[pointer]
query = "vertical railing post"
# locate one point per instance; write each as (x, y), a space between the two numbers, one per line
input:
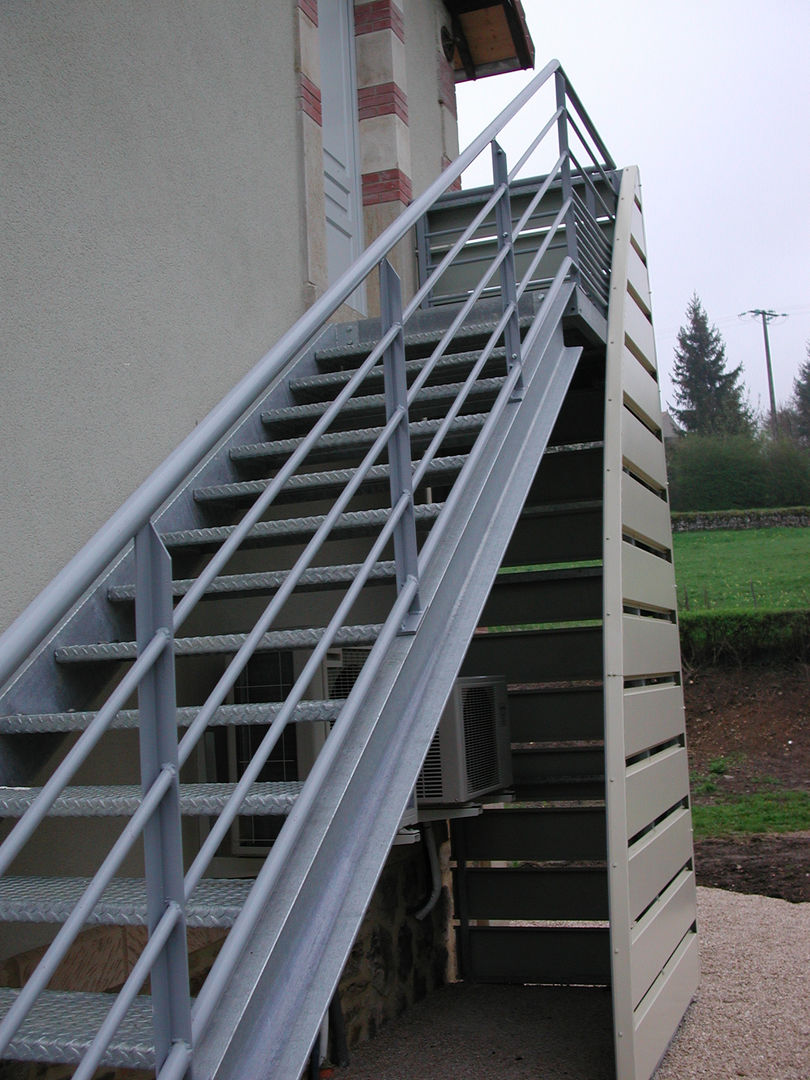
(399, 445)
(163, 849)
(567, 184)
(503, 224)
(423, 255)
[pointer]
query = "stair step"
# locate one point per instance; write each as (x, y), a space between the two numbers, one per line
(326, 385)
(429, 398)
(61, 1026)
(354, 524)
(304, 638)
(317, 484)
(127, 719)
(216, 902)
(334, 443)
(269, 798)
(312, 580)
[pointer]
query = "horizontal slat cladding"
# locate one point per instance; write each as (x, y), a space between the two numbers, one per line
(641, 388)
(530, 954)
(542, 835)
(645, 515)
(660, 932)
(536, 765)
(642, 452)
(538, 655)
(568, 476)
(652, 715)
(638, 332)
(654, 786)
(648, 581)
(537, 715)
(536, 893)
(637, 278)
(568, 532)
(532, 597)
(657, 858)
(651, 647)
(637, 230)
(661, 1011)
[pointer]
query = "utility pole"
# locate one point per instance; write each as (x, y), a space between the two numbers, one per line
(767, 316)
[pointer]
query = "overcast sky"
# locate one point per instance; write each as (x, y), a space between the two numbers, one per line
(711, 100)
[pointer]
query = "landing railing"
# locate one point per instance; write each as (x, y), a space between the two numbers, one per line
(586, 202)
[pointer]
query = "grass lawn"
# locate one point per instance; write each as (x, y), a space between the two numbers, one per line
(743, 569)
(762, 812)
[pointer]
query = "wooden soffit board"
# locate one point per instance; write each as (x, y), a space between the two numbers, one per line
(489, 37)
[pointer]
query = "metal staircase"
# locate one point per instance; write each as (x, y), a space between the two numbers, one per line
(430, 484)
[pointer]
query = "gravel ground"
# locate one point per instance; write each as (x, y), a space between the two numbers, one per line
(751, 1017)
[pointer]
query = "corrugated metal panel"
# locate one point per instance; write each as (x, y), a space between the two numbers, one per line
(660, 1013)
(651, 647)
(644, 514)
(659, 933)
(657, 857)
(642, 451)
(647, 580)
(654, 786)
(652, 715)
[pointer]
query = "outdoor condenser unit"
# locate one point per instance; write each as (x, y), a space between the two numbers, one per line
(470, 755)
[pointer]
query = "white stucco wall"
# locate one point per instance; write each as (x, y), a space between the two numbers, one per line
(428, 140)
(152, 245)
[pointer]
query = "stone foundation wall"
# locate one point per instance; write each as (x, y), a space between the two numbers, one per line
(695, 521)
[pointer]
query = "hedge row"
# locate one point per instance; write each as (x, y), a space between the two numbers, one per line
(744, 637)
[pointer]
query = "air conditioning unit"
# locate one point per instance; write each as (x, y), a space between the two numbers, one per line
(470, 755)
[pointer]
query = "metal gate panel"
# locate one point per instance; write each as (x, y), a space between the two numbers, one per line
(654, 957)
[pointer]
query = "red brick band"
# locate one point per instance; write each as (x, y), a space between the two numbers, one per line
(309, 96)
(456, 185)
(447, 84)
(382, 100)
(389, 185)
(310, 9)
(378, 15)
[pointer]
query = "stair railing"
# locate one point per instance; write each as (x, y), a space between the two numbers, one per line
(578, 225)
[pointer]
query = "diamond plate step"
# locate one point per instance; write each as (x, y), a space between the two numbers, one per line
(219, 643)
(335, 443)
(318, 387)
(313, 580)
(317, 484)
(127, 719)
(61, 1026)
(263, 799)
(297, 530)
(429, 399)
(216, 902)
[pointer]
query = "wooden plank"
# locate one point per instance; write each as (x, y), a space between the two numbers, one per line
(542, 835)
(535, 893)
(638, 332)
(537, 955)
(652, 715)
(654, 786)
(651, 647)
(648, 581)
(641, 388)
(657, 858)
(642, 452)
(645, 515)
(537, 714)
(658, 1016)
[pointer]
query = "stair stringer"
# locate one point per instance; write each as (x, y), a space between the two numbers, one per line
(651, 880)
(283, 981)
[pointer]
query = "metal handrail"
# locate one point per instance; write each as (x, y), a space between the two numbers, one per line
(44, 615)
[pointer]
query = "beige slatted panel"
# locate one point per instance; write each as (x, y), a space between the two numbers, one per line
(651, 881)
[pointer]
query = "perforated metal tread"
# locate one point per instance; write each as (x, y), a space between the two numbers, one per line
(314, 387)
(61, 1026)
(333, 442)
(272, 799)
(215, 902)
(429, 397)
(294, 530)
(312, 580)
(218, 644)
(320, 483)
(126, 719)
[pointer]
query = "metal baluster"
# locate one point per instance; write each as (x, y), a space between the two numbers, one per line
(503, 223)
(565, 172)
(423, 256)
(163, 848)
(399, 446)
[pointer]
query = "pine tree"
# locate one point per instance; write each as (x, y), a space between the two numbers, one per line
(801, 399)
(709, 398)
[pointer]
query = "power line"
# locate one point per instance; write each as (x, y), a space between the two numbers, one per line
(767, 316)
